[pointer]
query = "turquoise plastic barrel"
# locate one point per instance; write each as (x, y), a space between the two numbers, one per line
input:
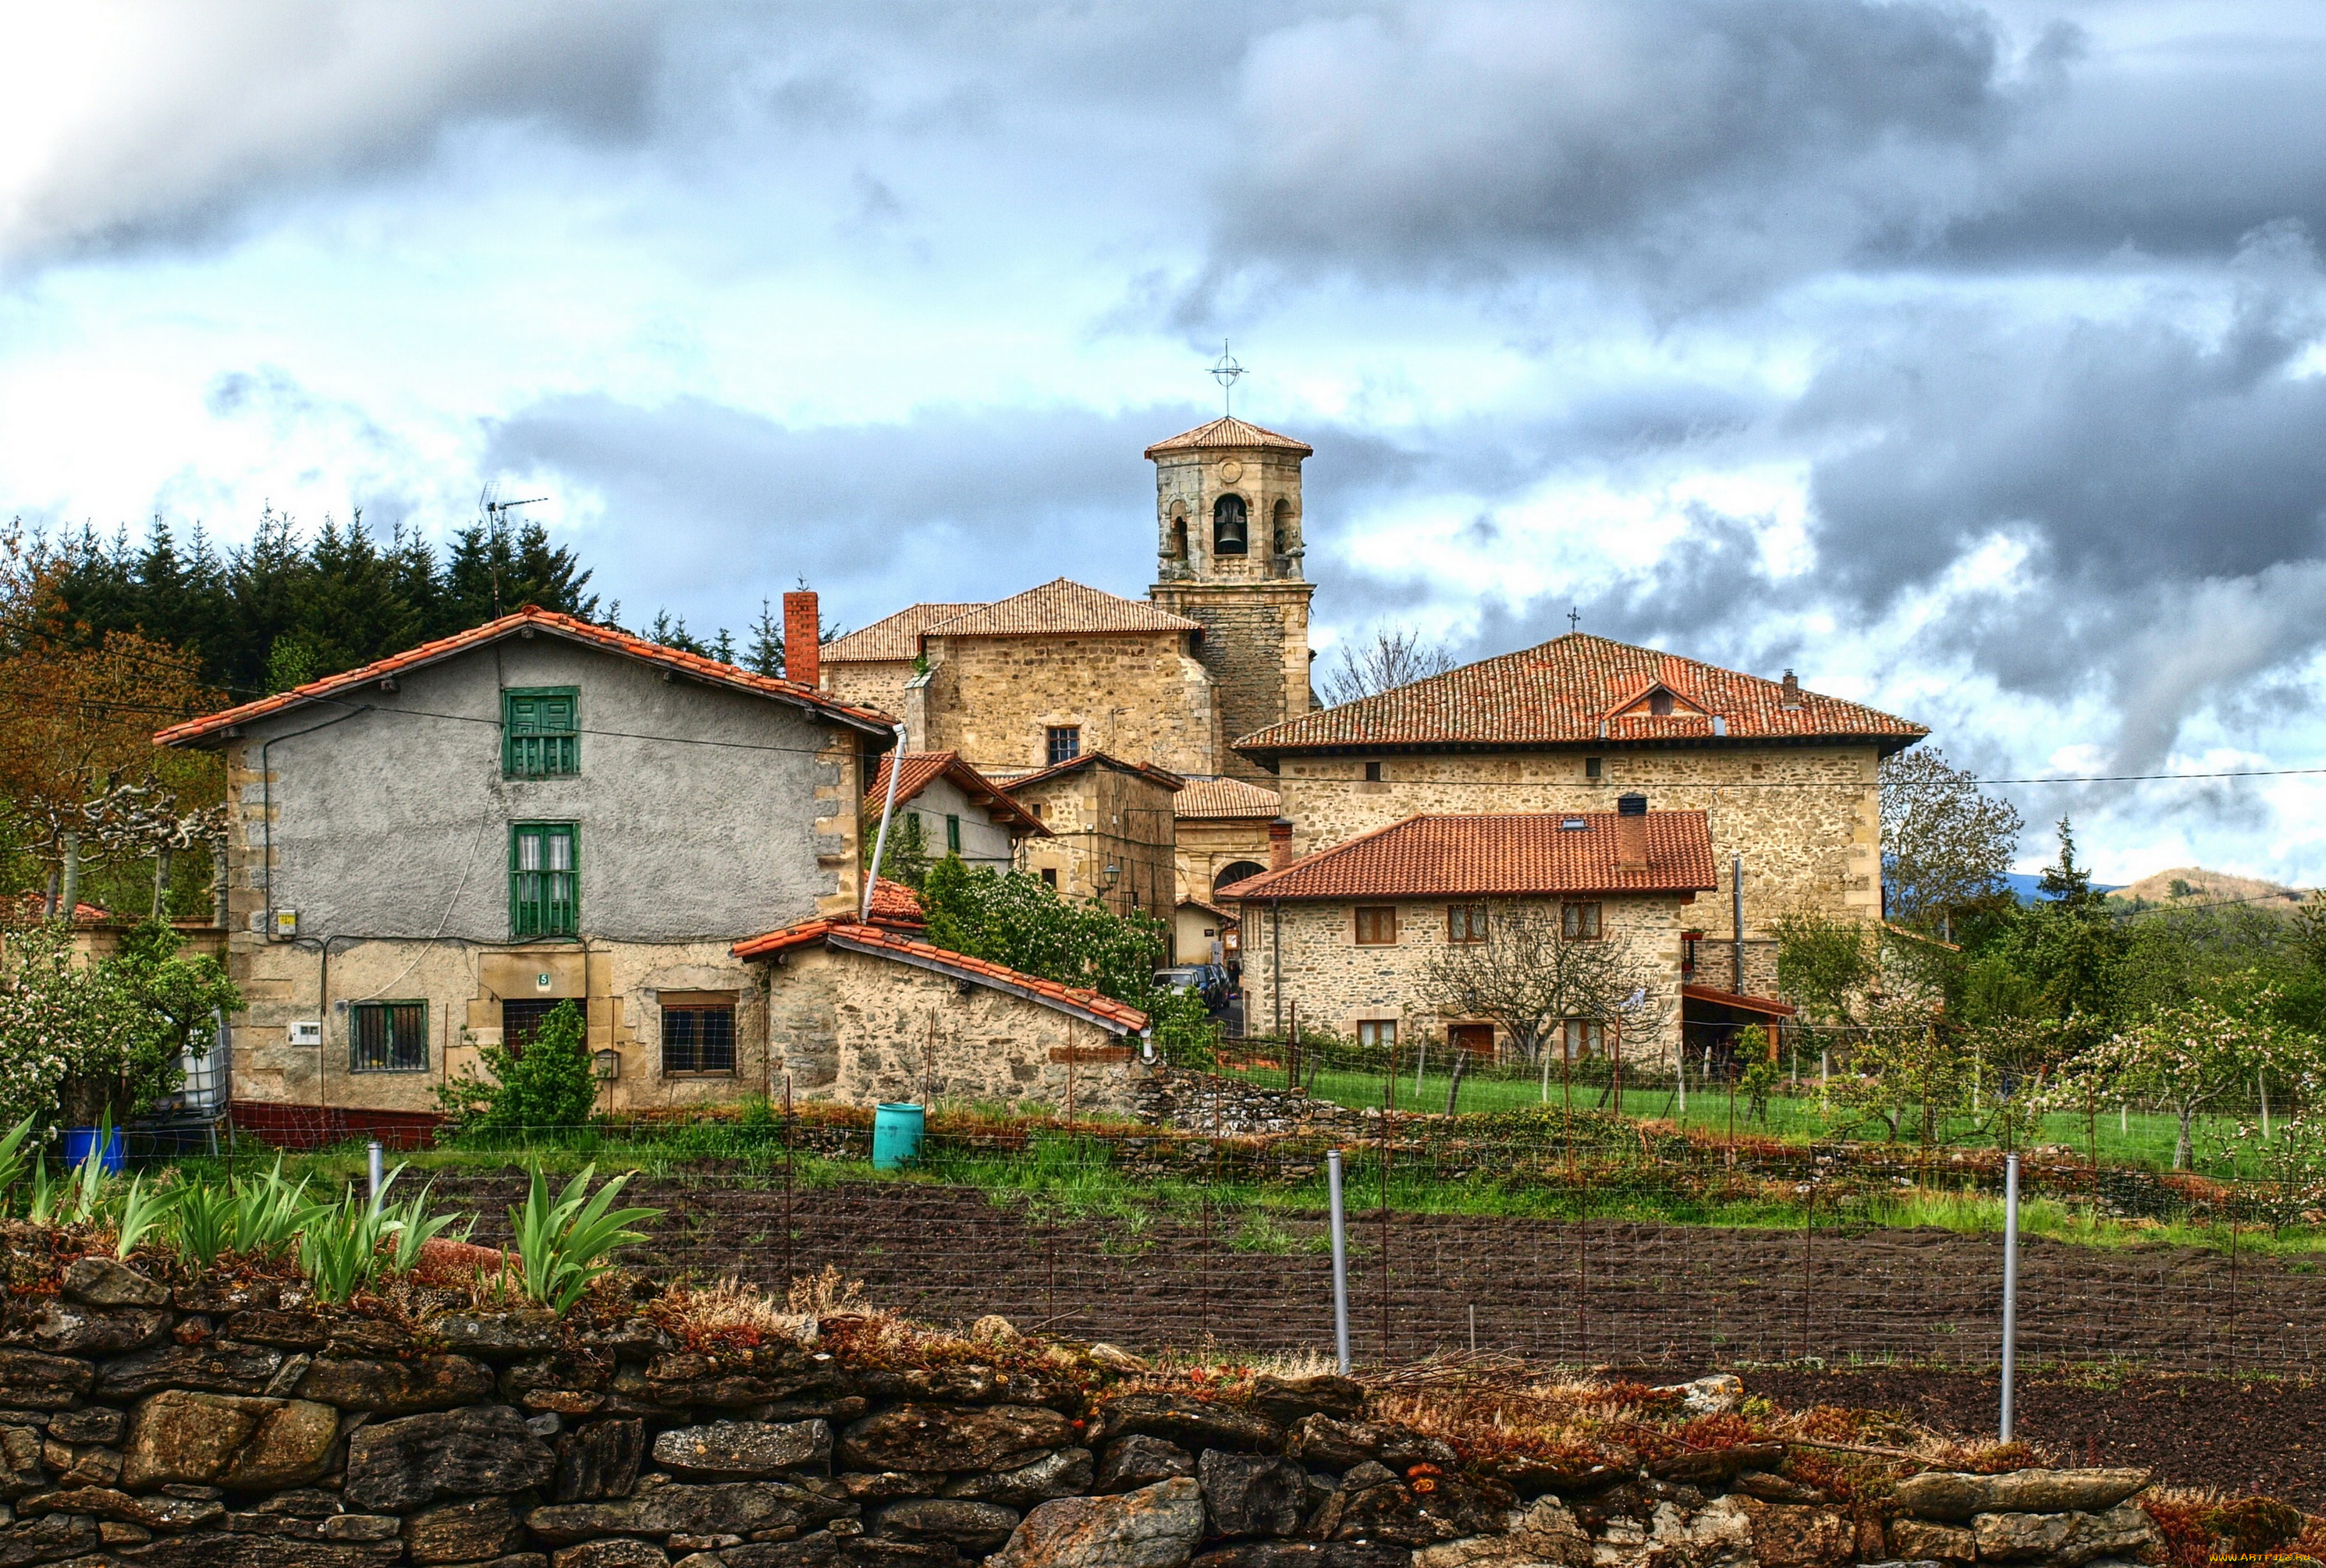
(897, 1135)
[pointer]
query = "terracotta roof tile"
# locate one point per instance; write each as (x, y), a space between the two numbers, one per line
(1563, 692)
(1229, 433)
(922, 768)
(1169, 781)
(880, 943)
(897, 637)
(1496, 855)
(1059, 606)
(893, 904)
(540, 620)
(1226, 797)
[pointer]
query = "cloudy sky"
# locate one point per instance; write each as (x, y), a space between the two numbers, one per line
(1966, 358)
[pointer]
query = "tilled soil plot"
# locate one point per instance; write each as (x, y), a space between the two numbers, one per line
(1245, 1279)
(2193, 1429)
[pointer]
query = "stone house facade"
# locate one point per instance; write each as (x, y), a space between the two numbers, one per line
(430, 853)
(1786, 778)
(1112, 832)
(1343, 939)
(866, 1013)
(958, 810)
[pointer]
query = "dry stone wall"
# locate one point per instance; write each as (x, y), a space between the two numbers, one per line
(232, 1422)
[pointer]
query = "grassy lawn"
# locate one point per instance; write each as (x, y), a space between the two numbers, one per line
(2136, 1138)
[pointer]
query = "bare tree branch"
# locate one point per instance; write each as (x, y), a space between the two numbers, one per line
(1396, 656)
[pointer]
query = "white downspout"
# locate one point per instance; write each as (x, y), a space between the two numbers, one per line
(880, 843)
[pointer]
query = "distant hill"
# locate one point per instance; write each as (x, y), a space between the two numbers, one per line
(2194, 886)
(2024, 886)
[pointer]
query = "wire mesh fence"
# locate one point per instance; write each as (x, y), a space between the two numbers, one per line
(1593, 1246)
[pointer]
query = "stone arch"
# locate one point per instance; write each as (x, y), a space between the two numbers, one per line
(1230, 526)
(1236, 871)
(1282, 518)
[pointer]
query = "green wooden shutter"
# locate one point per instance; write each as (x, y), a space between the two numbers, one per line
(541, 732)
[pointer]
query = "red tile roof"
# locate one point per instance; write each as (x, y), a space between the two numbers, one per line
(1169, 781)
(535, 619)
(924, 768)
(893, 904)
(1500, 856)
(1118, 1017)
(1229, 432)
(1579, 688)
(1058, 607)
(1226, 797)
(897, 637)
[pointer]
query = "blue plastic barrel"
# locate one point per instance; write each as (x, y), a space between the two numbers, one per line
(80, 1141)
(897, 1135)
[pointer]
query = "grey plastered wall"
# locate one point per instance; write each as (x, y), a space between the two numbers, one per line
(698, 815)
(983, 841)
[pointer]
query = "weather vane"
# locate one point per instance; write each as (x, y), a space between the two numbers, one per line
(1225, 373)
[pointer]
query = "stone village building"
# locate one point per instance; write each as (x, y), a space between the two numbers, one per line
(1110, 832)
(1787, 780)
(1342, 939)
(958, 810)
(432, 852)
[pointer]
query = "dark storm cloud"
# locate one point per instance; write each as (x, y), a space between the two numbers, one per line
(1686, 138)
(708, 506)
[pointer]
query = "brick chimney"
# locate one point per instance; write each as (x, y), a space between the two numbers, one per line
(1631, 832)
(803, 646)
(1280, 843)
(1792, 697)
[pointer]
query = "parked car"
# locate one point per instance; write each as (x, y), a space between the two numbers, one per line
(1209, 981)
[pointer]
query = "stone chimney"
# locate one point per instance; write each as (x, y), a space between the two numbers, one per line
(1280, 843)
(1792, 697)
(1631, 832)
(803, 643)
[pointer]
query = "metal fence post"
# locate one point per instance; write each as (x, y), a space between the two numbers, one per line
(2010, 1286)
(1340, 1263)
(373, 1165)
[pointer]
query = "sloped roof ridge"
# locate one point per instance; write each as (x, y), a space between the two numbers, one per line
(1061, 605)
(607, 638)
(894, 637)
(1562, 691)
(860, 937)
(1229, 432)
(1491, 854)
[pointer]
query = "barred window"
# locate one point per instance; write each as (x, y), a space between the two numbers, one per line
(388, 1037)
(698, 1033)
(1066, 743)
(541, 731)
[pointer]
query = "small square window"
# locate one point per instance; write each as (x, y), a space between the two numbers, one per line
(1579, 921)
(1066, 743)
(388, 1037)
(1050, 878)
(1377, 1032)
(1466, 923)
(1376, 924)
(1583, 1037)
(1591, 767)
(698, 1036)
(1373, 773)
(541, 735)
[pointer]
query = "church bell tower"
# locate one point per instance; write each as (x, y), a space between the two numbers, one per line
(1228, 555)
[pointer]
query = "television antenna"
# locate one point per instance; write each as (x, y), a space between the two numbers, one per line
(1225, 372)
(497, 517)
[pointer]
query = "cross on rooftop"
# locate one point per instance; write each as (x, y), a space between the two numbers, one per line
(1573, 618)
(1225, 373)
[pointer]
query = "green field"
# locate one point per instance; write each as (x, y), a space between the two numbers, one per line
(2123, 1136)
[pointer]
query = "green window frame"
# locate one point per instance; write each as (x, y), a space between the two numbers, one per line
(953, 835)
(388, 1036)
(541, 731)
(544, 879)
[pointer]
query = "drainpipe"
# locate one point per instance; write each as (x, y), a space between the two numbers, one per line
(1275, 962)
(888, 809)
(1736, 912)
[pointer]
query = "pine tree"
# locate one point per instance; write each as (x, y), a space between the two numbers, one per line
(766, 654)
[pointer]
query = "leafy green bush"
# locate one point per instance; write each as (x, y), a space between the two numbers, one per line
(550, 1084)
(563, 1244)
(82, 1041)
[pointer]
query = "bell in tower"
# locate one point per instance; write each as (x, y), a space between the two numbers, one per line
(1228, 554)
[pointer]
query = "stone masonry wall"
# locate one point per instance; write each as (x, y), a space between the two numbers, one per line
(1256, 646)
(1806, 821)
(230, 1422)
(1137, 696)
(1337, 984)
(863, 1030)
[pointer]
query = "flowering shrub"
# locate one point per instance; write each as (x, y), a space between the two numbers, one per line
(79, 1042)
